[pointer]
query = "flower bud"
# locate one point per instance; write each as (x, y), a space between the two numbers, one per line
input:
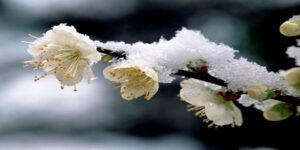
(260, 92)
(197, 65)
(290, 28)
(292, 77)
(277, 112)
(298, 110)
(106, 58)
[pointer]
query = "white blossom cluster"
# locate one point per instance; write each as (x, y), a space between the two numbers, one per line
(168, 56)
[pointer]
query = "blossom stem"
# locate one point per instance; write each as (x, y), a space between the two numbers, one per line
(119, 54)
(204, 76)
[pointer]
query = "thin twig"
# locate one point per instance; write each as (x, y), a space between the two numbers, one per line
(202, 75)
(288, 99)
(119, 54)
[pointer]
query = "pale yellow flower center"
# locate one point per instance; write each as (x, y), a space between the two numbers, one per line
(66, 59)
(70, 60)
(138, 80)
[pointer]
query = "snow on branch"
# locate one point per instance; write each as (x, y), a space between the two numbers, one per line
(169, 56)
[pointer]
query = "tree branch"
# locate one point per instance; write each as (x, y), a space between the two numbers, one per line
(201, 75)
(120, 54)
(204, 76)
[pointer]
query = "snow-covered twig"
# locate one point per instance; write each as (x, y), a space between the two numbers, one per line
(204, 76)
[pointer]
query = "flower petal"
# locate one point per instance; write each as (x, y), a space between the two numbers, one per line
(130, 92)
(136, 80)
(117, 74)
(223, 113)
(153, 90)
(150, 73)
(195, 92)
(70, 81)
(37, 47)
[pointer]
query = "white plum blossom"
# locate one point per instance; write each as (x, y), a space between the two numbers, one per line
(65, 53)
(135, 80)
(205, 101)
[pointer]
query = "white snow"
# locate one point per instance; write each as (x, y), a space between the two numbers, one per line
(240, 74)
(294, 52)
(247, 101)
(169, 56)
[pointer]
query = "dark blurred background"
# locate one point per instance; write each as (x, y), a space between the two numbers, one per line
(41, 116)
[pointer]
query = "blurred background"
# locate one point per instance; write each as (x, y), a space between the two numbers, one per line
(40, 115)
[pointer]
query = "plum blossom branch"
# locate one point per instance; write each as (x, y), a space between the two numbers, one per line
(223, 78)
(203, 75)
